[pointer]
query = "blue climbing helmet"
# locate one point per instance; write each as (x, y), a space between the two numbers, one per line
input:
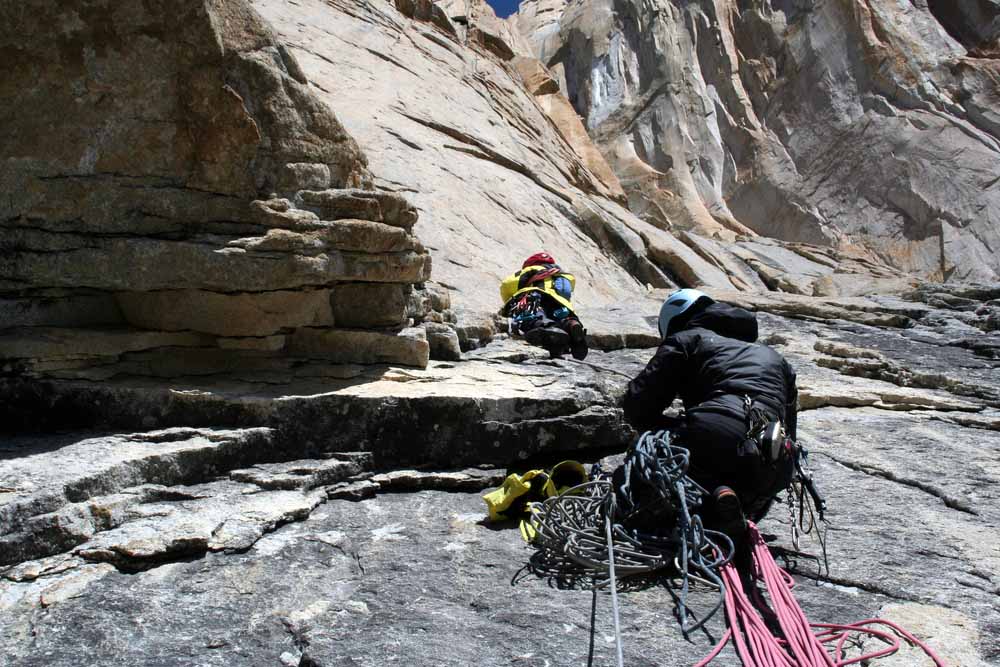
(677, 303)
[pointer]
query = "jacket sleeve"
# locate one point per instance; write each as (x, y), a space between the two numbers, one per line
(654, 389)
(791, 401)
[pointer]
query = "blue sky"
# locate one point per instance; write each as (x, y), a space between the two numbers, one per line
(504, 8)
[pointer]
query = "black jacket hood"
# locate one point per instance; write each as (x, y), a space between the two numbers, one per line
(712, 363)
(725, 320)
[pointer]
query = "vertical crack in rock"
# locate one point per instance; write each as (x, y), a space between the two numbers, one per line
(865, 586)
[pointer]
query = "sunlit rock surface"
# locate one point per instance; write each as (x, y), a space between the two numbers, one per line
(172, 182)
(870, 124)
(329, 522)
(210, 458)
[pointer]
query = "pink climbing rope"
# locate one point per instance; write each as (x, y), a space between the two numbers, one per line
(802, 644)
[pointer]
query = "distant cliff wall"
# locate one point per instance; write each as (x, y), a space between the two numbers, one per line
(864, 124)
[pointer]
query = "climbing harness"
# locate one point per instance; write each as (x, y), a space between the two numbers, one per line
(765, 436)
(525, 313)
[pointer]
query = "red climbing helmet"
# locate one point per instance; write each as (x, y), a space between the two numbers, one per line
(539, 258)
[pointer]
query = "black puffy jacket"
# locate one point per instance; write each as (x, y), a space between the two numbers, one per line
(712, 363)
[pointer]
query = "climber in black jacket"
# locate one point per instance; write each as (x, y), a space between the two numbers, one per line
(728, 383)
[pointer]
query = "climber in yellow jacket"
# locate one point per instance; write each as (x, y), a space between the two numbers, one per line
(538, 301)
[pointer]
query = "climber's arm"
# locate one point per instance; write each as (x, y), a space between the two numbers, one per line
(654, 389)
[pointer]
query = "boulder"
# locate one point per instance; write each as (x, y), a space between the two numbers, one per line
(212, 192)
(369, 305)
(444, 342)
(409, 347)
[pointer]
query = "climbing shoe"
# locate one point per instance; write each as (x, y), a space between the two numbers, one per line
(578, 339)
(729, 517)
(553, 339)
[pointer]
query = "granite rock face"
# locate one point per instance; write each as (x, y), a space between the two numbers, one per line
(478, 135)
(328, 522)
(172, 182)
(222, 440)
(869, 124)
(441, 109)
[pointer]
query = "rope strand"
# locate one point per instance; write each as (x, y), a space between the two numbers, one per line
(643, 525)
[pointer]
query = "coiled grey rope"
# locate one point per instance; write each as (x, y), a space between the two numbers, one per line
(594, 533)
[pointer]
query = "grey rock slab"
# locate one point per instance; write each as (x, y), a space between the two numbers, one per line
(905, 377)
(951, 366)
(861, 310)
(78, 468)
(922, 358)
(912, 515)
(231, 517)
(464, 480)
(42, 567)
(820, 387)
(987, 420)
(56, 497)
(785, 258)
(954, 464)
(415, 577)
(241, 574)
(304, 474)
(359, 490)
(740, 274)
(836, 380)
(948, 631)
(23, 602)
(449, 415)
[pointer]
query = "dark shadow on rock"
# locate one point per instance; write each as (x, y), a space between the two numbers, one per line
(18, 447)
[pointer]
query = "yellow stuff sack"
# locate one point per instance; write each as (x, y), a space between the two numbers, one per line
(510, 501)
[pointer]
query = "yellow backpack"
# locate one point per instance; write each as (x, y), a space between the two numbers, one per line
(511, 286)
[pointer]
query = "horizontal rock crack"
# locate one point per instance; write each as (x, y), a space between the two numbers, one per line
(875, 471)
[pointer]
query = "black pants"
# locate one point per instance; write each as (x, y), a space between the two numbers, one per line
(714, 440)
